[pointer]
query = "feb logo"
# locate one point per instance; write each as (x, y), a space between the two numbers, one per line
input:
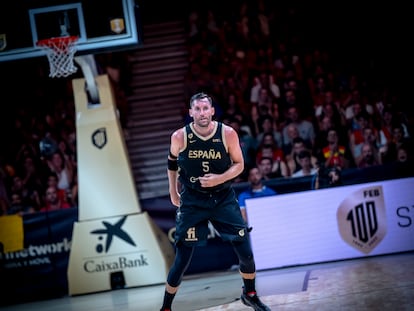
(362, 219)
(99, 138)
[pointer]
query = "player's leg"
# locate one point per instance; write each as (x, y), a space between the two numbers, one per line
(229, 223)
(191, 230)
(248, 273)
(183, 255)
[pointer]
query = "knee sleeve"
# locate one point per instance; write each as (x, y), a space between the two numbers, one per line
(183, 255)
(245, 254)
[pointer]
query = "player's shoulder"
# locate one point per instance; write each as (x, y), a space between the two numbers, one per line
(177, 139)
(179, 133)
(228, 129)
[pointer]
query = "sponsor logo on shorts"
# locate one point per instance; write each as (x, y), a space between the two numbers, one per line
(241, 232)
(191, 234)
(362, 219)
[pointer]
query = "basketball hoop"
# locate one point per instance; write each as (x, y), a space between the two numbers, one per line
(60, 52)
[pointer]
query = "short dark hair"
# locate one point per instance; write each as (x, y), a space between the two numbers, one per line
(266, 158)
(304, 154)
(199, 96)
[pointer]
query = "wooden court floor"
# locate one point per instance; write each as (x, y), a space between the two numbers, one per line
(372, 283)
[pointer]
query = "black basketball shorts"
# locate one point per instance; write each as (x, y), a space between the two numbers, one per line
(221, 208)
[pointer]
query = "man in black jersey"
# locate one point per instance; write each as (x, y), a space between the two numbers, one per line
(204, 158)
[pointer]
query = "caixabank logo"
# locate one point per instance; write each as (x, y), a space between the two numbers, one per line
(109, 232)
(123, 257)
(362, 219)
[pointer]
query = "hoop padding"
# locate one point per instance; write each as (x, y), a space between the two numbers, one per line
(60, 52)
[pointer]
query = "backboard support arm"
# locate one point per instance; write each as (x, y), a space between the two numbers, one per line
(88, 66)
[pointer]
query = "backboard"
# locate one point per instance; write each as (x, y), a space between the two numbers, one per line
(100, 25)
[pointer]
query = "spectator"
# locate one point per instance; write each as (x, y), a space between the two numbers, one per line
(268, 147)
(63, 169)
(389, 152)
(404, 163)
(305, 128)
(266, 126)
(52, 181)
(17, 206)
(292, 134)
(266, 82)
(333, 153)
(369, 156)
(356, 131)
(368, 136)
(271, 169)
(307, 169)
(293, 162)
(29, 196)
(52, 201)
(256, 190)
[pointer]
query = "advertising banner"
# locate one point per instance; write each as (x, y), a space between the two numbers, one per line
(333, 223)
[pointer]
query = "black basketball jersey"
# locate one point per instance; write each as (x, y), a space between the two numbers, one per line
(203, 155)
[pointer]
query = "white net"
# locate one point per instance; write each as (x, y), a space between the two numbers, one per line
(60, 53)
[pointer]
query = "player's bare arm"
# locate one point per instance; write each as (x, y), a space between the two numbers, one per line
(236, 155)
(177, 142)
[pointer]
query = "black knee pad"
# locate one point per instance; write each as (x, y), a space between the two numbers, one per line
(245, 254)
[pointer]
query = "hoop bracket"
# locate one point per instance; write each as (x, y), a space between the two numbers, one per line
(88, 66)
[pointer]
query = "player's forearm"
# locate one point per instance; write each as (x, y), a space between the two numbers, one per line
(172, 181)
(235, 170)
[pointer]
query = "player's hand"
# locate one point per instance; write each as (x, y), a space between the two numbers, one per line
(209, 180)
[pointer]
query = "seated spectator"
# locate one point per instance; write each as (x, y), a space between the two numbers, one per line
(268, 148)
(293, 162)
(333, 153)
(17, 206)
(52, 181)
(305, 128)
(369, 156)
(264, 81)
(29, 196)
(362, 131)
(52, 201)
(389, 151)
(324, 125)
(304, 158)
(63, 168)
(404, 163)
(357, 105)
(270, 169)
(266, 126)
(387, 124)
(292, 134)
(256, 190)
(368, 137)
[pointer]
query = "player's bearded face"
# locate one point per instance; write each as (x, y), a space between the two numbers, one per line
(202, 112)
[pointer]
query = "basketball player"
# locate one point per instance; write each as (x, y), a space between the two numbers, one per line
(204, 158)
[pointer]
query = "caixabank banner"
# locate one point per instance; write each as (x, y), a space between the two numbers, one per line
(332, 224)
